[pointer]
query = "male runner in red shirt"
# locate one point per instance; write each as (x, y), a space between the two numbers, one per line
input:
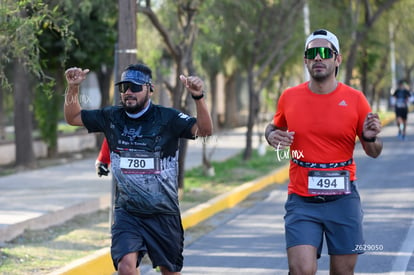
(320, 120)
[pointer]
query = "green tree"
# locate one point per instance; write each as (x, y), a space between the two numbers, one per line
(47, 110)
(402, 21)
(178, 31)
(260, 36)
(366, 54)
(364, 17)
(20, 24)
(93, 24)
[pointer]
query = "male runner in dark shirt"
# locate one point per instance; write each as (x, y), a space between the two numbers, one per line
(143, 140)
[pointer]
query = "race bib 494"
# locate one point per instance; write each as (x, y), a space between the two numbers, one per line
(328, 182)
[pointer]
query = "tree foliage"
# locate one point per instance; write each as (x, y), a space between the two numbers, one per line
(19, 34)
(21, 24)
(260, 37)
(93, 25)
(47, 107)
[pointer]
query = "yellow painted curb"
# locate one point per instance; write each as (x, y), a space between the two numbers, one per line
(203, 211)
(100, 263)
(387, 120)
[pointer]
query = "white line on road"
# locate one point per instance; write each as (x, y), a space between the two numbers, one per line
(406, 251)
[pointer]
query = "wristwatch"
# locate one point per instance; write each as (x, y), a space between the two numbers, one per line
(197, 97)
(369, 139)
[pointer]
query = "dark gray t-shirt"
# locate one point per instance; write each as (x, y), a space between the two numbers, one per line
(402, 97)
(144, 155)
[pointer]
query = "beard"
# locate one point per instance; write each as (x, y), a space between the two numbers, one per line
(318, 75)
(134, 108)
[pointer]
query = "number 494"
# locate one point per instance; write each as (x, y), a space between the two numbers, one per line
(326, 183)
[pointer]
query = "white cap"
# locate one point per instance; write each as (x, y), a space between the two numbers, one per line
(323, 34)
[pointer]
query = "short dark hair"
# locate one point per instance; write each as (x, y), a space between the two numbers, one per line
(402, 82)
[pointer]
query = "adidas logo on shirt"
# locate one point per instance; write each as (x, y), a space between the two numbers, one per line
(343, 103)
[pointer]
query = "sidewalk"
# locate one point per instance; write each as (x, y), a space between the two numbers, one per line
(42, 198)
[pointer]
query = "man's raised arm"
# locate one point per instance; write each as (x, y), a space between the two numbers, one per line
(72, 109)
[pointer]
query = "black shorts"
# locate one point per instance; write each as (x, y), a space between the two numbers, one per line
(161, 236)
(401, 112)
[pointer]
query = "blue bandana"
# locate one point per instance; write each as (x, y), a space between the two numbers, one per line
(135, 77)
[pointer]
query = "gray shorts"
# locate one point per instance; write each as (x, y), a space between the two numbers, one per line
(161, 236)
(307, 221)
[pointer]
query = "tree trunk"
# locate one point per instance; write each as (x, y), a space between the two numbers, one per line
(213, 101)
(182, 149)
(58, 100)
(2, 117)
(183, 142)
(104, 79)
(23, 117)
(350, 63)
(253, 111)
(231, 110)
(364, 73)
(104, 76)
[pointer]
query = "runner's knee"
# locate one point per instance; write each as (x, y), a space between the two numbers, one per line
(302, 260)
(165, 271)
(301, 269)
(127, 265)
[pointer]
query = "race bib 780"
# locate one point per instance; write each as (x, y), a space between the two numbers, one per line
(139, 163)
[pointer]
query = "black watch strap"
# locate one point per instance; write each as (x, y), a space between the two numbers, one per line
(369, 139)
(198, 96)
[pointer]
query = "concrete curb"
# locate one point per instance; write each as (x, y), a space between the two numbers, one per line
(54, 218)
(101, 263)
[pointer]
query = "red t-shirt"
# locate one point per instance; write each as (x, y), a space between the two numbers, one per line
(104, 155)
(325, 128)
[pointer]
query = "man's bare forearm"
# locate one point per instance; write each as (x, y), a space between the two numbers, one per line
(204, 123)
(372, 149)
(72, 108)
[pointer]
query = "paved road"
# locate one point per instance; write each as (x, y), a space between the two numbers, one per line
(250, 238)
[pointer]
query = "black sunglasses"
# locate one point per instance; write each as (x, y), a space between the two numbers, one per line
(135, 88)
(324, 53)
